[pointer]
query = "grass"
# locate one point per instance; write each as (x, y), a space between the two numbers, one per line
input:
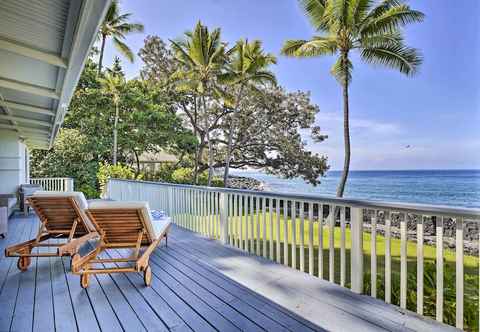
(471, 263)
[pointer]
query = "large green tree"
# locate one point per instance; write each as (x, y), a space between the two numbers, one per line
(248, 68)
(373, 29)
(203, 57)
(268, 120)
(117, 26)
(146, 121)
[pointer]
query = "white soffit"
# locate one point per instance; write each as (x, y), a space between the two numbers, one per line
(43, 47)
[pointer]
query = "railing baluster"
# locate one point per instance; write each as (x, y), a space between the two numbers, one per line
(257, 225)
(235, 220)
(343, 261)
(231, 220)
(459, 272)
(302, 236)
(241, 206)
(403, 261)
(439, 260)
(420, 264)
(285, 232)
(277, 231)
(310, 239)
(270, 213)
(320, 241)
(205, 214)
(251, 226)
(293, 225)
(388, 257)
(373, 256)
(209, 214)
(264, 225)
(356, 261)
(331, 243)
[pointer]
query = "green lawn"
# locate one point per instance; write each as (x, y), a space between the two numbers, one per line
(471, 263)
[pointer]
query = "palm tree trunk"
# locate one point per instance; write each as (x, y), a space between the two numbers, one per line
(102, 50)
(197, 150)
(210, 148)
(115, 135)
(346, 137)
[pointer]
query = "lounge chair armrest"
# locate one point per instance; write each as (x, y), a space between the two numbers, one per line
(142, 262)
(74, 245)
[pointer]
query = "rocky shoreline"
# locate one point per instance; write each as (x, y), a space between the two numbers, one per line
(245, 183)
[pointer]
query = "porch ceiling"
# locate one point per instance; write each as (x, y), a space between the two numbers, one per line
(43, 48)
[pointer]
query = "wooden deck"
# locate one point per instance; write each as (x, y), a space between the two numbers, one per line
(198, 285)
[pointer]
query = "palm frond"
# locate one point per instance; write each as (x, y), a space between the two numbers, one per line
(358, 10)
(391, 20)
(130, 27)
(123, 49)
(407, 60)
(318, 46)
(394, 38)
(315, 10)
(342, 70)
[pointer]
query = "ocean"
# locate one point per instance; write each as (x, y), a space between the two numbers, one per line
(441, 187)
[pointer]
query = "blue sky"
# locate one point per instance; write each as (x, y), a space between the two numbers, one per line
(436, 112)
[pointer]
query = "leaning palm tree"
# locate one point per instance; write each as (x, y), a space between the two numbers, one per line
(112, 86)
(202, 56)
(116, 26)
(248, 68)
(372, 29)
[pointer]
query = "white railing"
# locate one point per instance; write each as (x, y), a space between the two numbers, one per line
(54, 184)
(261, 224)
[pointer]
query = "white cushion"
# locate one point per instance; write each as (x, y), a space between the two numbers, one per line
(159, 226)
(116, 205)
(77, 195)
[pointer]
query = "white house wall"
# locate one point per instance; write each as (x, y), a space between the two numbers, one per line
(13, 157)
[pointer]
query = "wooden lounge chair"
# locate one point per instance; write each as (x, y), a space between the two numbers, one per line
(121, 225)
(62, 216)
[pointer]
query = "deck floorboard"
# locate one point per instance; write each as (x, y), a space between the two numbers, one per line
(197, 285)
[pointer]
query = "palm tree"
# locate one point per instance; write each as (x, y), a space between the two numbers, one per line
(116, 26)
(374, 30)
(202, 56)
(112, 85)
(248, 68)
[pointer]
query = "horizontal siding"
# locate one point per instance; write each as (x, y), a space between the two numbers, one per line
(38, 23)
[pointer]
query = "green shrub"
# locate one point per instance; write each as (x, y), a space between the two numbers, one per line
(69, 157)
(184, 175)
(88, 190)
(107, 171)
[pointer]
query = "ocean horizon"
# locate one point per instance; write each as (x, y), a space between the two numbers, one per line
(453, 187)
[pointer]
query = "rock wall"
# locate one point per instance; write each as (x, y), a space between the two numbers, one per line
(246, 183)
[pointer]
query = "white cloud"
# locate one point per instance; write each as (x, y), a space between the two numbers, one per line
(385, 145)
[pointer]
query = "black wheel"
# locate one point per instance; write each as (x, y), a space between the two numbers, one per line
(23, 263)
(147, 276)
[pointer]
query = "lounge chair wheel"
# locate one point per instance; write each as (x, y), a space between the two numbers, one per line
(84, 280)
(23, 263)
(147, 276)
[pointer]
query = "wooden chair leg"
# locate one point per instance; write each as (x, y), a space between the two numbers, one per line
(84, 281)
(147, 276)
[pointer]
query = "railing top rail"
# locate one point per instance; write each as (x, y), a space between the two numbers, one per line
(50, 178)
(425, 209)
